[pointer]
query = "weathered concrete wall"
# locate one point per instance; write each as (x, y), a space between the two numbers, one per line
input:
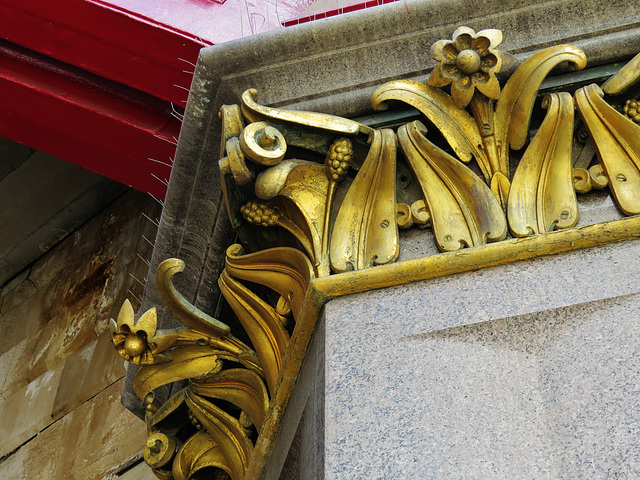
(60, 411)
(44, 199)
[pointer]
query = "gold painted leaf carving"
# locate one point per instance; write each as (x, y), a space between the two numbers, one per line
(365, 232)
(241, 387)
(226, 432)
(298, 188)
(617, 141)
(165, 411)
(261, 322)
(513, 111)
(331, 123)
(188, 314)
(188, 362)
(198, 452)
(542, 197)
(463, 210)
(628, 75)
(457, 126)
(283, 269)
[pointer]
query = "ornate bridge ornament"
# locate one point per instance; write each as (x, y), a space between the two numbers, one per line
(318, 202)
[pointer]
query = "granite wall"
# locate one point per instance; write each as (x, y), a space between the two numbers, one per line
(527, 371)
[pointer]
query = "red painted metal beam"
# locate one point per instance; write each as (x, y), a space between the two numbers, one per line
(101, 82)
(83, 118)
(114, 44)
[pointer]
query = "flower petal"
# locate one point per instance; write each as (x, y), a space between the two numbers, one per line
(461, 96)
(481, 45)
(450, 54)
(492, 88)
(498, 56)
(121, 351)
(493, 34)
(464, 42)
(119, 338)
(463, 31)
(148, 323)
(437, 79)
(125, 316)
(450, 71)
(438, 47)
(489, 62)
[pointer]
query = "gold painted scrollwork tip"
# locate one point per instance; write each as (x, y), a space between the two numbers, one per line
(179, 306)
(628, 75)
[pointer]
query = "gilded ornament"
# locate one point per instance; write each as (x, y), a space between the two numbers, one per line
(467, 62)
(255, 112)
(617, 141)
(263, 143)
(365, 231)
(462, 209)
(405, 220)
(339, 207)
(581, 180)
(490, 127)
(632, 110)
(598, 177)
(420, 214)
(542, 196)
(137, 342)
(159, 450)
(628, 75)
(299, 189)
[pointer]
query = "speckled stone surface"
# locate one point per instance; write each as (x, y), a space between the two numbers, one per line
(523, 371)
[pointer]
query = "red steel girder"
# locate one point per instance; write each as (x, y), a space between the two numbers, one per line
(99, 124)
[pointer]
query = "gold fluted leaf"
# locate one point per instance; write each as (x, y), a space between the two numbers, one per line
(542, 197)
(617, 141)
(299, 189)
(463, 210)
(365, 232)
(226, 432)
(330, 123)
(457, 126)
(626, 77)
(189, 315)
(241, 387)
(513, 111)
(188, 362)
(282, 269)
(198, 452)
(261, 322)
